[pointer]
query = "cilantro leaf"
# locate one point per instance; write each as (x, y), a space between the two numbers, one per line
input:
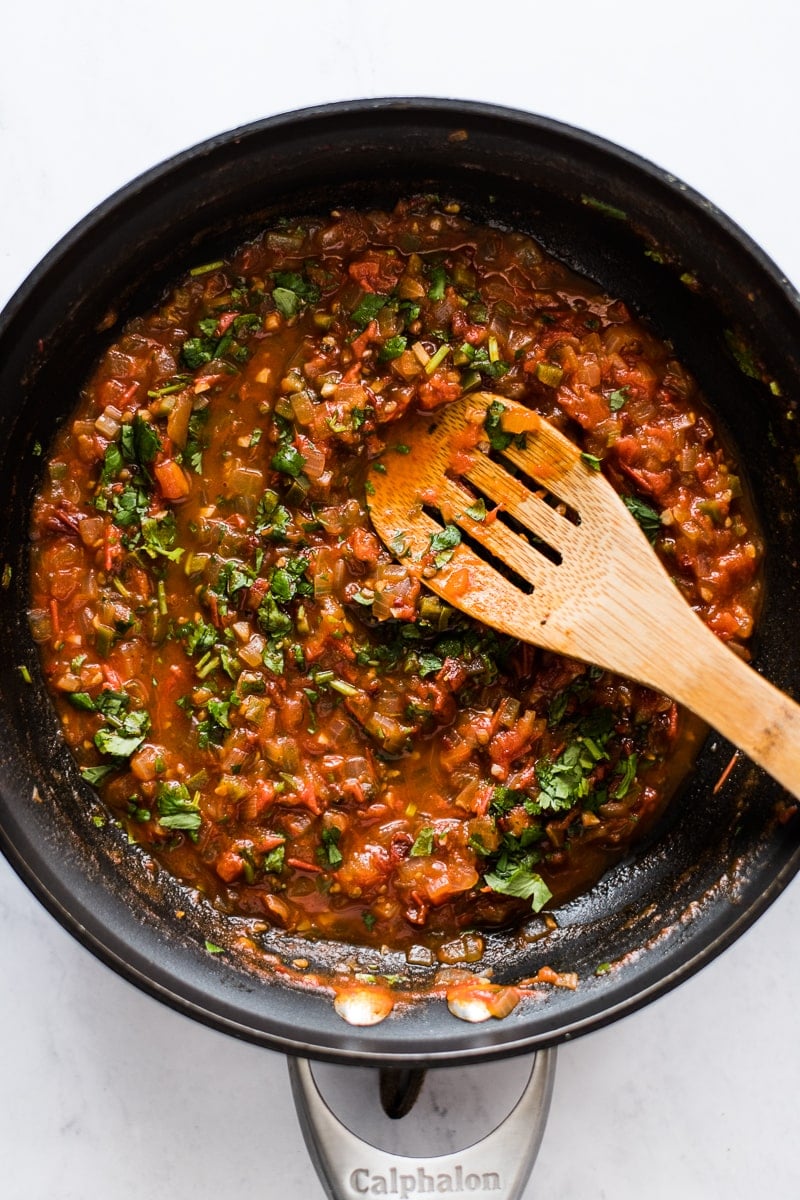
(288, 460)
(197, 351)
(122, 737)
(129, 507)
(499, 438)
(628, 768)
(522, 883)
(274, 860)
(429, 664)
(477, 510)
(96, 775)
(272, 518)
(198, 635)
(423, 844)
(438, 278)
(287, 302)
(176, 807)
(219, 711)
(113, 463)
(159, 537)
(272, 657)
(443, 544)
(143, 442)
(392, 348)
(367, 309)
(293, 290)
(330, 846)
(647, 517)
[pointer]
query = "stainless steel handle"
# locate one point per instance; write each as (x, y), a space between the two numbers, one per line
(351, 1169)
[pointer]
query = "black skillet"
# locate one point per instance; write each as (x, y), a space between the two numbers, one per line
(723, 853)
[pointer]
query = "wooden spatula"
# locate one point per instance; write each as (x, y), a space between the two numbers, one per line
(599, 592)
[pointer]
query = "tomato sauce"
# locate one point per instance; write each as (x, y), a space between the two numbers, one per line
(267, 699)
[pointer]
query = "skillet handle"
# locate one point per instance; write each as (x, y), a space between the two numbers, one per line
(500, 1163)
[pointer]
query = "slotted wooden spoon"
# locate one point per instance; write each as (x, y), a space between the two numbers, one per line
(599, 593)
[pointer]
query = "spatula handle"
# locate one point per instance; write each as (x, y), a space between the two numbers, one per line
(707, 677)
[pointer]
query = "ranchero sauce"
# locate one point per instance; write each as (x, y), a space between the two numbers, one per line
(269, 699)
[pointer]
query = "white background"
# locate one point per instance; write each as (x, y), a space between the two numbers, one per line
(105, 1093)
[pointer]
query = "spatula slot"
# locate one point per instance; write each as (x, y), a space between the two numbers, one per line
(510, 465)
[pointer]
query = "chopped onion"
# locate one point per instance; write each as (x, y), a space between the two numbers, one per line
(108, 422)
(392, 585)
(179, 417)
(251, 654)
(314, 465)
(363, 1005)
(328, 572)
(340, 518)
(480, 1001)
(391, 704)
(303, 407)
(91, 530)
(467, 948)
(508, 711)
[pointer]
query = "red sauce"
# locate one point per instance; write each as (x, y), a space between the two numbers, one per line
(272, 704)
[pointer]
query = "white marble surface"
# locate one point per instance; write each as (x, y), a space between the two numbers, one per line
(103, 1092)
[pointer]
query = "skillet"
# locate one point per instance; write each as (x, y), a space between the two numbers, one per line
(721, 855)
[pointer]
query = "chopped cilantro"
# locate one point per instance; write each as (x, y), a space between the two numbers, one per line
(617, 399)
(198, 635)
(499, 438)
(197, 351)
(359, 416)
(423, 844)
(505, 798)
(367, 310)
(124, 734)
(302, 289)
(288, 460)
(158, 537)
(96, 775)
(522, 883)
(647, 517)
(272, 518)
(176, 807)
(113, 463)
(479, 360)
(192, 454)
(219, 711)
(392, 348)
(443, 544)
(438, 278)
(274, 860)
(628, 775)
(429, 664)
(330, 846)
(565, 781)
(477, 510)
(287, 302)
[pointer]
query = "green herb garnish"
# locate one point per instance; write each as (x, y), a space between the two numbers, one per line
(423, 844)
